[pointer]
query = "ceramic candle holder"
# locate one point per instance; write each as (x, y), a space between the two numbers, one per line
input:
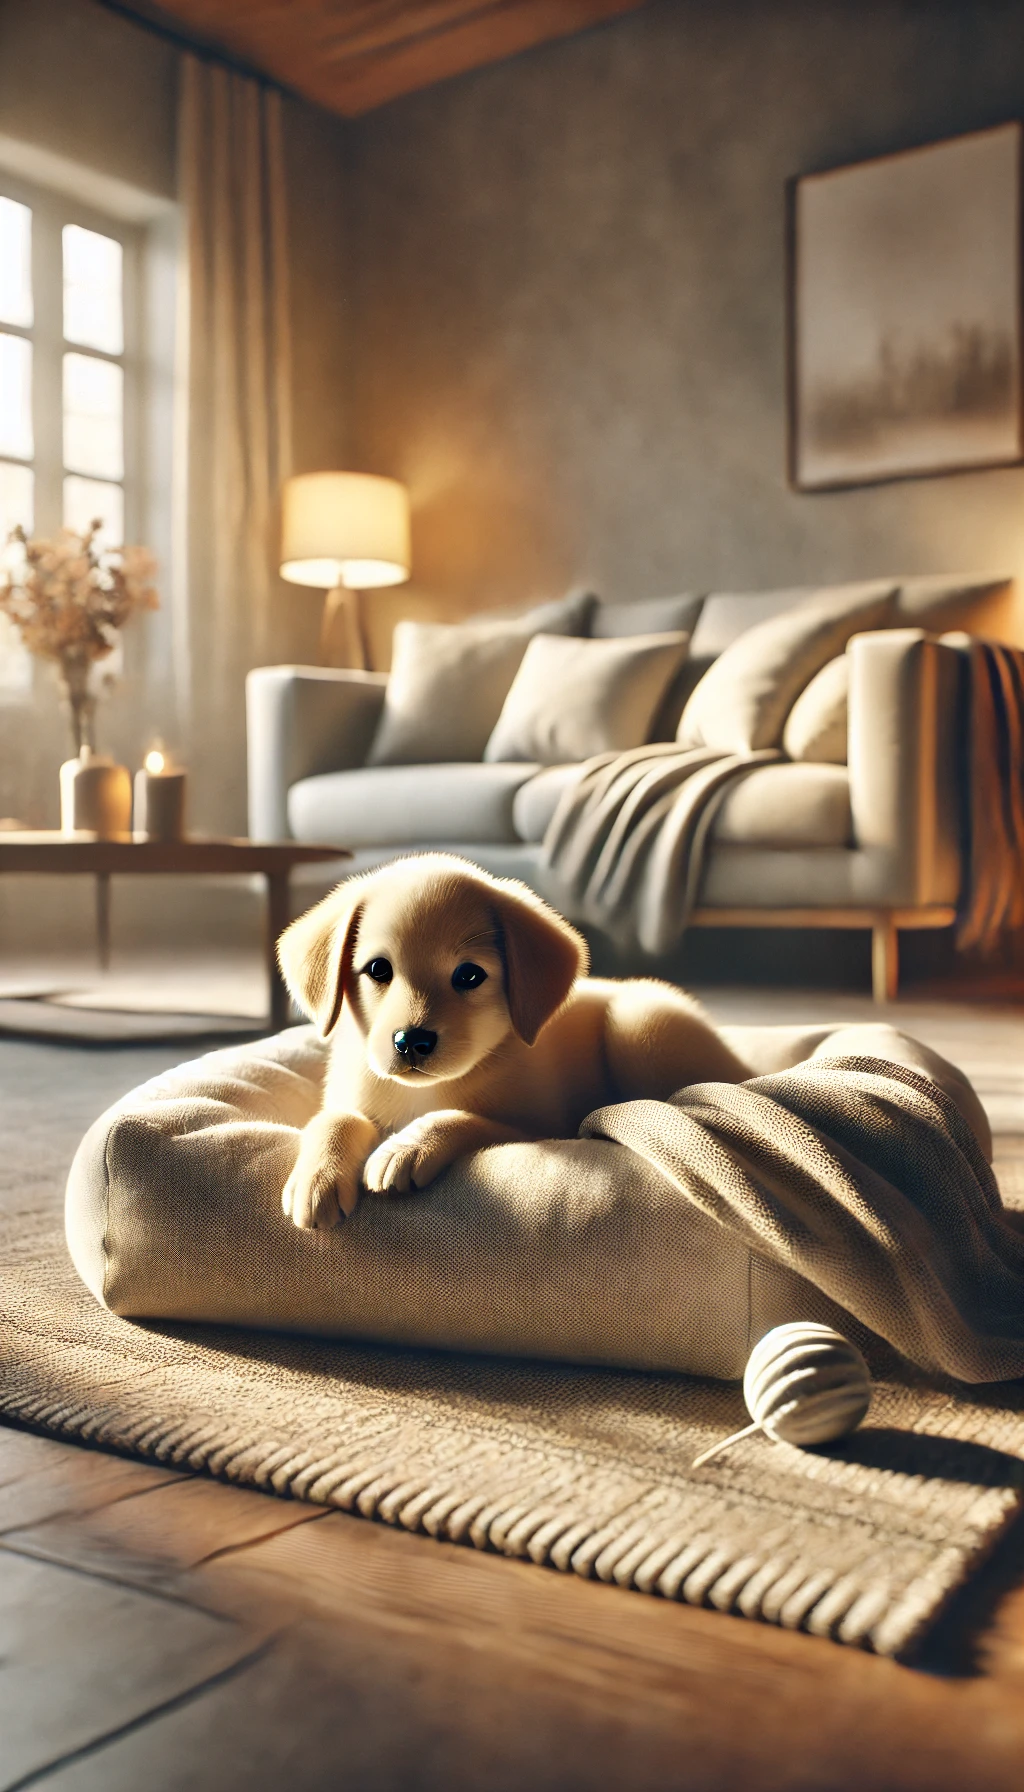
(95, 796)
(159, 800)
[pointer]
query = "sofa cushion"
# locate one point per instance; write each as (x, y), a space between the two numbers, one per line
(407, 805)
(817, 724)
(568, 615)
(742, 701)
(726, 615)
(536, 801)
(573, 698)
(787, 806)
(651, 616)
(449, 680)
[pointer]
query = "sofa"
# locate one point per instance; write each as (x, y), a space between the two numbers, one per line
(855, 832)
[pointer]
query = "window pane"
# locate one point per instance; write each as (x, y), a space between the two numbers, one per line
(86, 499)
(16, 397)
(15, 264)
(92, 290)
(93, 405)
(16, 498)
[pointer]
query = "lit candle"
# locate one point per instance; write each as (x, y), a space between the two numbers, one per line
(159, 799)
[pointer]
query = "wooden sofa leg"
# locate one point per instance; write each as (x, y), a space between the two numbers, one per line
(885, 959)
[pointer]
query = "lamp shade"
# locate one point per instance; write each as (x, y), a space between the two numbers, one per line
(347, 529)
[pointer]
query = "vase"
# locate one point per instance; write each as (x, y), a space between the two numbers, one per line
(95, 796)
(75, 680)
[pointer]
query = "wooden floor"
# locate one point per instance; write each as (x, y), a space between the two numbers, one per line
(159, 1631)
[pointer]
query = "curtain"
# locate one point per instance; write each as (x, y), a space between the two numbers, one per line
(232, 190)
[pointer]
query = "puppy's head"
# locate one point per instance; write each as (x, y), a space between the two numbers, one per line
(439, 962)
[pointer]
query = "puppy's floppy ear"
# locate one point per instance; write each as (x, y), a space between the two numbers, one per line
(543, 957)
(315, 954)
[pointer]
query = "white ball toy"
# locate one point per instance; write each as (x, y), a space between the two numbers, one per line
(804, 1384)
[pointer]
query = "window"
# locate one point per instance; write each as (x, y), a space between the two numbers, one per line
(68, 360)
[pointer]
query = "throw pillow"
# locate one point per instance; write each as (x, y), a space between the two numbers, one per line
(653, 616)
(816, 725)
(742, 702)
(449, 680)
(573, 698)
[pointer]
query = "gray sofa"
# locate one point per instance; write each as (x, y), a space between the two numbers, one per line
(873, 843)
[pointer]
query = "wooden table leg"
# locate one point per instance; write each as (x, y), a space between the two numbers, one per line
(277, 918)
(103, 919)
(885, 960)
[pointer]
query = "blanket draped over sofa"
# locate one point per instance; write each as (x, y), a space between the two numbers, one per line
(628, 838)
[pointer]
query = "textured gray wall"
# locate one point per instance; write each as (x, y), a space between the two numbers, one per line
(569, 300)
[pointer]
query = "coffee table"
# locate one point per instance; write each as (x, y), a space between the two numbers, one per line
(124, 856)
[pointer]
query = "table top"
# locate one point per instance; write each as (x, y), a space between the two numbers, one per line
(53, 851)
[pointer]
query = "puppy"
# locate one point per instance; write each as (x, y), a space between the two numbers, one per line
(460, 1016)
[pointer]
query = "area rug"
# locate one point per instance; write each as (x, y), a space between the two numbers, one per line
(582, 1470)
(37, 1018)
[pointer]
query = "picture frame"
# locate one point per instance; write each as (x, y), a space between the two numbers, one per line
(905, 325)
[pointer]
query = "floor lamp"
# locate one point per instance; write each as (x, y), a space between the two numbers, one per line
(344, 533)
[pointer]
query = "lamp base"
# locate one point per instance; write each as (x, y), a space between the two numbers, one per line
(342, 639)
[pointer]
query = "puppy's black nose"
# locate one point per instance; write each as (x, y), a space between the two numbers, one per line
(414, 1042)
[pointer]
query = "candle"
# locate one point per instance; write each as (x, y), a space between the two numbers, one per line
(159, 799)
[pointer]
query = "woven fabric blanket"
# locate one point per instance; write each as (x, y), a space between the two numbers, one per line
(628, 836)
(863, 1177)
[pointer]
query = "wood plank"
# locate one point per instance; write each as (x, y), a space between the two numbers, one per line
(408, 1663)
(88, 855)
(353, 55)
(82, 1658)
(905, 918)
(149, 1536)
(42, 1479)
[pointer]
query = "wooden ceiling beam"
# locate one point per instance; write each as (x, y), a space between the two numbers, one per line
(354, 55)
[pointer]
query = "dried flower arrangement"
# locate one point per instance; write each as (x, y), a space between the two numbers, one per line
(69, 599)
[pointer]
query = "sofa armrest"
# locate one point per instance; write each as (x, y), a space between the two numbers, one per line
(301, 720)
(902, 757)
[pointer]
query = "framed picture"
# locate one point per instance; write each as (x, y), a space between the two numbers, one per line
(905, 314)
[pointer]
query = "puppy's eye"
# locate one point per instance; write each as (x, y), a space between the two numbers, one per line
(468, 976)
(380, 970)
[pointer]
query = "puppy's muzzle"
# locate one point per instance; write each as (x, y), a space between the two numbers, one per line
(414, 1043)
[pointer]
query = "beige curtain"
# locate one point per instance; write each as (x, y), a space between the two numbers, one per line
(232, 189)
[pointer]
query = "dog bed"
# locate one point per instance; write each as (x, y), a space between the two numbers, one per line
(848, 1181)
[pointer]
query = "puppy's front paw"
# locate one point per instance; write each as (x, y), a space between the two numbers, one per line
(410, 1159)
(323, 1188)
(316, 1197)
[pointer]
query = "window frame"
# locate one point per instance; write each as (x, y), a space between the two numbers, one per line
(51, 211)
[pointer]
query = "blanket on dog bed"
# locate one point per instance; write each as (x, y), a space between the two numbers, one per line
(849, 1184)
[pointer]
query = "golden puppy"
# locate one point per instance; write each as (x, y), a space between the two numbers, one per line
(459, 1016)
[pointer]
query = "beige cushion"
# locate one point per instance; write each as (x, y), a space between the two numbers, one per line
(816, 726)
(651, 616)
(726, 615)
(786, 807)
(742, 701)
(407, 805)
(569, 1249)
(574, 698)
(449, 680)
